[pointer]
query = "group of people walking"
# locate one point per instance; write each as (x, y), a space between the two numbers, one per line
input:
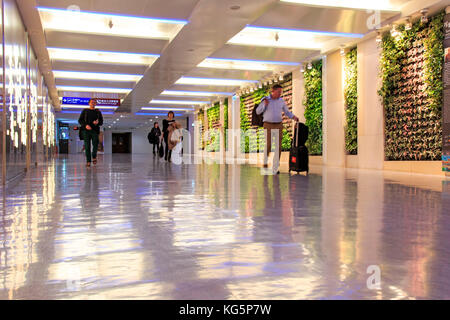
(271, 109)
(170, 135)
(91, 119)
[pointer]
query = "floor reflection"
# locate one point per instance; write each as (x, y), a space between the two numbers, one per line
(137, 227)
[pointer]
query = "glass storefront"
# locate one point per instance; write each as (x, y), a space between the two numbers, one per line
(28, 115)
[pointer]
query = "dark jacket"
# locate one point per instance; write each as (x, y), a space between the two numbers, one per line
(88, 116)
(153, 136)
(166, 124)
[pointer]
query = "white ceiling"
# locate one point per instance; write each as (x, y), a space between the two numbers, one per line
(210, 25)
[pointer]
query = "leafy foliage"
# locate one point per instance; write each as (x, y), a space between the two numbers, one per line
(411, 92)
(213, 114)
(313, 107)
(351, 102)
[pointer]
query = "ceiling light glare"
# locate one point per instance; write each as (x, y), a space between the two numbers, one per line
(287, 38)
(93, 89)
(213, 82)
(195, 93)
(281, 78)
(309, 66)
(382, 5)
(97, 76)
(342, 51)
(109, 24)
(260, 85)
(254, 65)
(167, 109)
(62, 54)
(178, 102)
(302, 69)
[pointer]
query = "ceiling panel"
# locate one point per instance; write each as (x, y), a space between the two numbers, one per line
(98, 67)
(94, 83)
(227, 74)
(294, 16)
(263, 53)
(178, 9)
(182, 87)
(59, 39)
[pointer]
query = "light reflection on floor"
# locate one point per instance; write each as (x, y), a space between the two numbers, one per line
(134, 228)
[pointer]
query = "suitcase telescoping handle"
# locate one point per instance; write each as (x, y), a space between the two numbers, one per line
(296, 134)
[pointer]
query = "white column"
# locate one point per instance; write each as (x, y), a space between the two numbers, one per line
(298, 95)
(370, 108)
(333, 111)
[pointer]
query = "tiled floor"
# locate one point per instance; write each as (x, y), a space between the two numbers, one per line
(137, 228)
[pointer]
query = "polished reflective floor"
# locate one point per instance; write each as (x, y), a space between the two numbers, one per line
(137, 228)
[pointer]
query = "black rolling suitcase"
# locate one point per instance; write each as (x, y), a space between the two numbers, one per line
(298, 156)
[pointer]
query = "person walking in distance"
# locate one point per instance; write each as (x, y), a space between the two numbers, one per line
(154, 137)
(91, 120)
(166, 122)
(272, 108)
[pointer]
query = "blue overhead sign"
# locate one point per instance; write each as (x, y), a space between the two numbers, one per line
(85, 101)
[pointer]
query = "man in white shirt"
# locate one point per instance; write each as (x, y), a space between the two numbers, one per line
(272, 108)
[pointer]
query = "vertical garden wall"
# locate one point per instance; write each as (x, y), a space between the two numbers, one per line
(200, 120)
(351, 102)
(313, 107)
(253, 139)
(213, 141)
(411, 92)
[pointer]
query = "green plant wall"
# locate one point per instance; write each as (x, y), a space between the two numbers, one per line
(313, 107)
(200, 119)
(351, 101)
(213, 115)
(411, 92)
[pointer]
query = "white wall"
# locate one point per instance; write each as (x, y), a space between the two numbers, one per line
(370, 108)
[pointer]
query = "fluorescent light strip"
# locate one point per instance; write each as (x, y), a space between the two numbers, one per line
(195, 93)
(287, 38)
(213, 82)
(68, 106)
(383, 5)
(93, 89)
(97, 76)
(102, 56)
(168, 109)
(156, 114)
(100, 23)
(219, 63)
(178, 102)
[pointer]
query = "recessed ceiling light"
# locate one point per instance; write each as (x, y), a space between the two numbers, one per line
(97, 76)
(102, 56)
(219, 63)
(195, 93)
(383, 5)
(168, 109)
(213, 82)
(286, 38)
(67, 106)
(99, 23)
(178, 102)
(93, 89)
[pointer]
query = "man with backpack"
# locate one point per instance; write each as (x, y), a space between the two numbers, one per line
(272, 109)
(90, 121)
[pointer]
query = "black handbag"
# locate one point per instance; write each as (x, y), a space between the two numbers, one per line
(81, 133)
(161, 150)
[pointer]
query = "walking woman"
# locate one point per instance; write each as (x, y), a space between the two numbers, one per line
(166, 122)
(154, 137)
(91, 120)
